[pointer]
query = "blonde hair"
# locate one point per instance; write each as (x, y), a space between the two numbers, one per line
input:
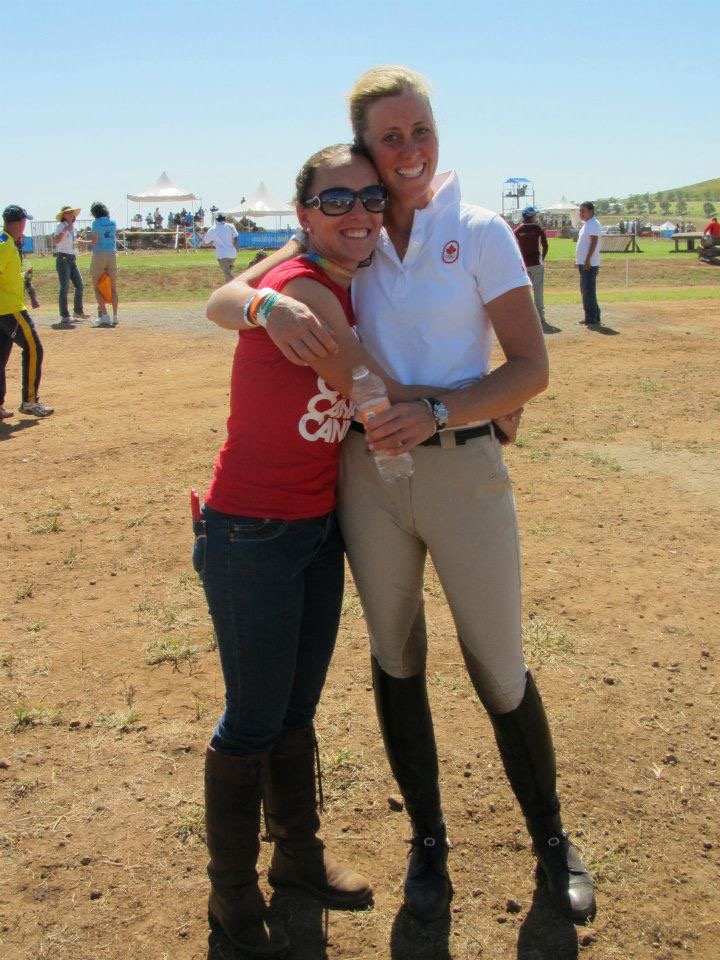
(378, 83)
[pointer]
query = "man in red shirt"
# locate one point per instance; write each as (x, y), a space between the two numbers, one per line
(533, 245)
(713, 230)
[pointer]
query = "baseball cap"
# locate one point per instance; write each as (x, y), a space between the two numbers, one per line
(14, 214)
(219, 215)
(529, 212)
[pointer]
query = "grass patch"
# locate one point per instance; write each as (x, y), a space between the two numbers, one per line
(342, 769)
(120, 720)
(48, 522)
(191, 824)
(135, 521)
(543, 641)
(603, 461)
(201, 705)
(25, 591)
(650, 386)
(168, 649)
(637, 294)
(22, 788)
(25, 717)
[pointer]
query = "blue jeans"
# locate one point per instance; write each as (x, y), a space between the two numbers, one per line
(67, 271)
(274, 591)
(588, 285)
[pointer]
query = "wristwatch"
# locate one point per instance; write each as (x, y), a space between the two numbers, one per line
(440, 413)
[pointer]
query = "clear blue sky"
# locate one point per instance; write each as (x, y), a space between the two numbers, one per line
(586, 99)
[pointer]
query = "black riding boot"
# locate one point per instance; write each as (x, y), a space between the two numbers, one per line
(406, 725)
(528, 755)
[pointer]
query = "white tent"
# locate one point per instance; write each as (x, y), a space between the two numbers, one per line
(261, 203)
(668, 225)
(563, 208)
(163, 191)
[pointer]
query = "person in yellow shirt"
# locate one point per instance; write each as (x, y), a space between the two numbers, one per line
(16, 326)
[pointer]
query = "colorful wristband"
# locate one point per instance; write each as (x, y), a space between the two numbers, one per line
(252, 312)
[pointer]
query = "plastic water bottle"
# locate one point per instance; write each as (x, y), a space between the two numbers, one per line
(370, 396)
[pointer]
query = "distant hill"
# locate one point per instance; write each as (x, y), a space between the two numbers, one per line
(697, 191)
(693, 200)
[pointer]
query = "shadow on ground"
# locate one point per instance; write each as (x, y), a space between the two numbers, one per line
(545, 934)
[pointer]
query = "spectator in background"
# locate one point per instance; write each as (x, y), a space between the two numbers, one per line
(712, 230)
(223, 236)
(587, 258)
(104, 260)
(65, 242)
(16, 325)
(533, 244)
(158, 218)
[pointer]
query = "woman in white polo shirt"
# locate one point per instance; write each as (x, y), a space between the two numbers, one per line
(445, 277)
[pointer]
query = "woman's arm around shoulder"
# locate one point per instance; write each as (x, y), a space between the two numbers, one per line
(292, 326)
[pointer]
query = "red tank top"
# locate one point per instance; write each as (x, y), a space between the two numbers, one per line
(280, 459)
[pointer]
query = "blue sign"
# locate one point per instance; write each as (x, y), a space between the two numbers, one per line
(265, 239)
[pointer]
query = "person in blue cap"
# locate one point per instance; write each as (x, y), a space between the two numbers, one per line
(533, 245)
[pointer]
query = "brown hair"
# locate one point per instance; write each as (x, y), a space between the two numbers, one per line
(378, 83)
(338, 154)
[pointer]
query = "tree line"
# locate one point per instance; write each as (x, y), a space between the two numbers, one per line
(666, 201)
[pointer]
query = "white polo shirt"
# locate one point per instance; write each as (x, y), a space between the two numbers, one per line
(68, 243)
(590, 228)
(424, 319)
(222, 235)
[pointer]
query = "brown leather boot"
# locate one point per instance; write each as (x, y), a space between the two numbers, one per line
(233, 789)
(291, 813)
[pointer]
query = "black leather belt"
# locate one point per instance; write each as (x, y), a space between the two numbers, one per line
(461, 436)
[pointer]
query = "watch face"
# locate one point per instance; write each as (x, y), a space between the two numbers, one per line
(440, 412)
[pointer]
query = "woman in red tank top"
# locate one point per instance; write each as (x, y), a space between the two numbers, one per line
(272, 563)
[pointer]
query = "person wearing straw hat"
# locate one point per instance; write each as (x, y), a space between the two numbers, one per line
(65, 242)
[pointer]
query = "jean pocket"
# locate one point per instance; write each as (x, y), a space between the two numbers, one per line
(199, 552)
(247, 529)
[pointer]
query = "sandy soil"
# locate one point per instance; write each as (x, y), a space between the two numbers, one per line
(101, 750)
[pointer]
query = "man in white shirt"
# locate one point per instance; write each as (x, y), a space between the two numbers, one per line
(587, 258)
(223, 236)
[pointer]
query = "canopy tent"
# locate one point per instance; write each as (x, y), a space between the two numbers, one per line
(163, 191)
(261, 203)
(563, 208)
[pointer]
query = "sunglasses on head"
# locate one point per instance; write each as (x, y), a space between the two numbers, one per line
(336, 201)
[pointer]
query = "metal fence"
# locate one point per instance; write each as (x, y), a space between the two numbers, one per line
(41, 232)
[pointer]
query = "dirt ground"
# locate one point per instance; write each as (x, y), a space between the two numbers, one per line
(110, 683)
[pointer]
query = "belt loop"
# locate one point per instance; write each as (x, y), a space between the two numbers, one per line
(447, 439)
